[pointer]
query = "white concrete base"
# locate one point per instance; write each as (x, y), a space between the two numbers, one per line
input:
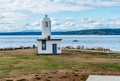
(103, 78)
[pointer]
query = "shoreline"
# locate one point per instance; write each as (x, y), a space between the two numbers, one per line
(94, 51)
(16, 48)
(63, 48)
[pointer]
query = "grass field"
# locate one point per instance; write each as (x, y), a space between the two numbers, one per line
(26, 65)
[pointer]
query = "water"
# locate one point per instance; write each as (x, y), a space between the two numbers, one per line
(107, 41)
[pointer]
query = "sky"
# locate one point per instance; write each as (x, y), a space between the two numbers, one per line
(22, 15)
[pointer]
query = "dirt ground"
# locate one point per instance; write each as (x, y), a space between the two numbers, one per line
(50, 75)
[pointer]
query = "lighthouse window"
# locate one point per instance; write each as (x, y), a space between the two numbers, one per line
(46, 24)
(43, 44)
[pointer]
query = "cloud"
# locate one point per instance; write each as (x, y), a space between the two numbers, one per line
(13, 16)
(8, 27)
(100, 23)
(9, 21)
(37, 23)
(86, 23)
(64, 25)
(18, 15)
(38, 6)
(51, 6)
(55, 22)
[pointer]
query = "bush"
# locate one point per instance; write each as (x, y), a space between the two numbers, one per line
(69, 47)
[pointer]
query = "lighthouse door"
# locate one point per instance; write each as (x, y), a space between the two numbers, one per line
(54, 48)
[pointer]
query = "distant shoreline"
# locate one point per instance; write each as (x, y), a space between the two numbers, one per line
(70, 32)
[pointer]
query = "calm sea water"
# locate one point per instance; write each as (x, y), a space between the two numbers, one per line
(91, 41)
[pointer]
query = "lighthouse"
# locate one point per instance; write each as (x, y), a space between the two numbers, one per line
(46, 27)
(47, 44)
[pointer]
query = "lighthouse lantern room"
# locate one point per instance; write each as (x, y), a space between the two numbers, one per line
(47, 44)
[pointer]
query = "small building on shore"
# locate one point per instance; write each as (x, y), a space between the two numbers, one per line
(47, 44)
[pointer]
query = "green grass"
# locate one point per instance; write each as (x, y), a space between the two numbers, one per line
(20, 63)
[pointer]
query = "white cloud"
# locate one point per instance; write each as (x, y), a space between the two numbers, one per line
(37, 23)
(87, 23)
(11, 11)
(66, 24)
(101, 23)
(50, 6)
(7, 27)
(9, 21)
(55, 22)
(13, 16)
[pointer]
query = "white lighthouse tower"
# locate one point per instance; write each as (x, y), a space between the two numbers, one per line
(46, 27)
(46, 44)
